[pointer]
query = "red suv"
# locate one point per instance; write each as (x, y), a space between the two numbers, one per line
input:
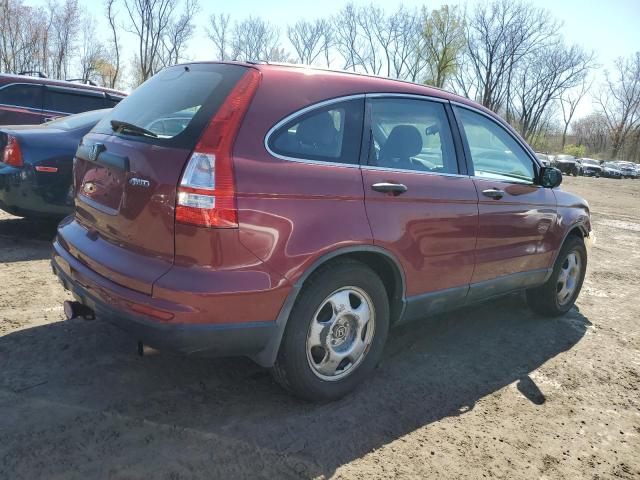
(293, 215)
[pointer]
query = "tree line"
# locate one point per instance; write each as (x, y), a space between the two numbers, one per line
(508, 55)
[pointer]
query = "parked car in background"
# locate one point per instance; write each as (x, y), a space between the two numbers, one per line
(588, 167)
(628, 169)
(611, 170)
(265, 228)
(36, 165)
(566, 164)
(34, 100)
(544, 159)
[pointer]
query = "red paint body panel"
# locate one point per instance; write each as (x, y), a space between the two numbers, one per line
(317, 208)
(135, 225)
(431, 228)
(516, 233)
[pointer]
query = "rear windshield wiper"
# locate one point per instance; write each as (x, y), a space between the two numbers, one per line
(126, 127)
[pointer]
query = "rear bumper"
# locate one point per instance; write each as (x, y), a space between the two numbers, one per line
(114, 303)
(21, 195)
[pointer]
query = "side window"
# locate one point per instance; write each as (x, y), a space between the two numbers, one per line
(112, 101)
(331, 133)
(29, 96)
(495, 153)
(411, 134)
(70, 102)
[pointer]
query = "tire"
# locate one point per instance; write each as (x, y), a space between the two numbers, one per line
(546, 299)
(333, 304)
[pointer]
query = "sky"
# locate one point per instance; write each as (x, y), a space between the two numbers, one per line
(610, 28)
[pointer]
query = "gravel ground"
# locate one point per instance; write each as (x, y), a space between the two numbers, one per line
(492, 391)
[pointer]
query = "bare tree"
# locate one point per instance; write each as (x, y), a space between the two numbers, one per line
(309, 39)
(175, 40)
(254, 39)
(592, 131)
(569, 102)
(499, 35)
(619, 101)
(251, 38)
(92, 52)
(22, 43)
(160, 36)
(541, 80)
(347, 39)
(219, 33)
(64, 32)
(444, 41)
(114, 75)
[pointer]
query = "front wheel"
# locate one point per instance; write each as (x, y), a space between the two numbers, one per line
(559, 293)
(335, 334)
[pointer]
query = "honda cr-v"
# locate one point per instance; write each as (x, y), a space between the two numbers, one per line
(293, 215)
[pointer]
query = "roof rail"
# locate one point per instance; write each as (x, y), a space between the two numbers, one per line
(82, 80)
(33, 72)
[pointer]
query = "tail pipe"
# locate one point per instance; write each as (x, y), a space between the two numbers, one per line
(76, 309)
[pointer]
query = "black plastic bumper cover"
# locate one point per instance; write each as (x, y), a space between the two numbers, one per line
(245, 339)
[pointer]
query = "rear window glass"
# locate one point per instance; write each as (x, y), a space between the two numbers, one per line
(29, 96)
(176, 103)
(71, 102)
(79, 120)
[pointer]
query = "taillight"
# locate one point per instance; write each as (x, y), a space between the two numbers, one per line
(207, 190)
(12, 154)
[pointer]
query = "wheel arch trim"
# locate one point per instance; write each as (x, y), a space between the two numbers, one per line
(580, 226)
(267, 356)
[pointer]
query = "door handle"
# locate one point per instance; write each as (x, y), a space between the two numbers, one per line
(493, 193)
(386, 187)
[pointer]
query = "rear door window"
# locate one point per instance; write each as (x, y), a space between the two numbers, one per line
(28, 96)
(331, 133)
(71, 102)
(410, 134)
(176, 104)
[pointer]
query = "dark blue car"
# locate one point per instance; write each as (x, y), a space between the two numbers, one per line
(36, 163)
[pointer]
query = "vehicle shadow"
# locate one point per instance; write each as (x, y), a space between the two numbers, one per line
(24, 239)
(76, 395)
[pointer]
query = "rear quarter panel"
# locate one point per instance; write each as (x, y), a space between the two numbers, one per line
(291, 213)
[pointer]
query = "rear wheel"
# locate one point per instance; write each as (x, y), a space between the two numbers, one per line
(559, 293)
(335, 334)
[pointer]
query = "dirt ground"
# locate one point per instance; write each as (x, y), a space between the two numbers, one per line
(492, 391)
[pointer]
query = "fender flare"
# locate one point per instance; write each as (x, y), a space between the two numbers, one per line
(580, 225)
(267, 356)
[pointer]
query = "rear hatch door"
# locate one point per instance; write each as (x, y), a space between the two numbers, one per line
(128, 167)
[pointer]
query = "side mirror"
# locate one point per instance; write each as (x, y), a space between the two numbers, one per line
(550, 177)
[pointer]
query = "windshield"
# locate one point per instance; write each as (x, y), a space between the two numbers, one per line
(174, 105)
(85, 119)
(566, 158)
